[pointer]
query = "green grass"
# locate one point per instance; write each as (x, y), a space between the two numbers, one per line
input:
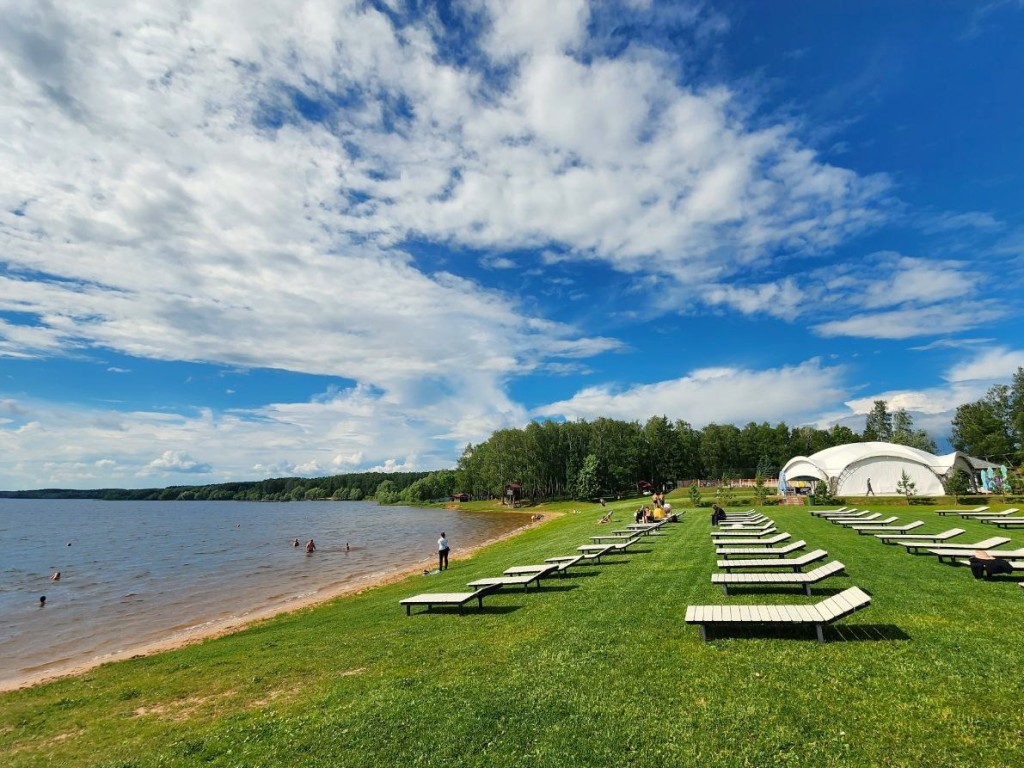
(596, 669)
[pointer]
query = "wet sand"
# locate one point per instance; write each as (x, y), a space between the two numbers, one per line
(238, 623)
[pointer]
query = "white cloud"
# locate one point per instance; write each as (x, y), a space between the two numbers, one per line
(179, 461)
(996, 365)
(723, 395)
(908, 323)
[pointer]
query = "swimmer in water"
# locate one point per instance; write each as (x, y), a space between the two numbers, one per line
(295, 543)
(347, 547)
(42, 601)
(310, 547)
(56, 576)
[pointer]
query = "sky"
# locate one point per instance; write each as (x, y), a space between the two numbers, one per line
(270, 238)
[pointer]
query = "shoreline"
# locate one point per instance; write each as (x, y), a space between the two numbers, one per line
(230, 625)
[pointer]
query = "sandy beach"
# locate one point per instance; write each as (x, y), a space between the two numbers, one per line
(238, 623)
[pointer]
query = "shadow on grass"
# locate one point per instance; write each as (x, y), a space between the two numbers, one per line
(848, 633)
(554, 586)
(453, 610)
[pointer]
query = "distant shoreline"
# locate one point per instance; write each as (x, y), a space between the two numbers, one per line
(230, 625)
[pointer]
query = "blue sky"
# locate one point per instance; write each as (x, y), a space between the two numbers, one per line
(241, 240)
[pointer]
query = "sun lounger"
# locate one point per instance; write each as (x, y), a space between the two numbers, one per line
(524, 579)
(1015, 565)
(1007, 522)
(848, 513)
(738, 520)
(727, 552)
(561, 566)
(945, 512)
(760, 542)
(960, 550)
(870, 529)
(827, 512)
(725, 580)
(612, 537)
(865, 521)
(988, 515)
(952, 553)
(885, 522)
(861, 517)
(900, 538)
(430, 599)
(588, 553)
(992, 517)
(796, 563)
(746, 527)
(753, 533)
(824, 612)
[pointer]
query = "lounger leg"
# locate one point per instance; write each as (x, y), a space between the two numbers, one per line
(480, 602)
(807, 589)
(461, 606)
(703, 633)
(408, 610)
(821, 632)
(725, 589)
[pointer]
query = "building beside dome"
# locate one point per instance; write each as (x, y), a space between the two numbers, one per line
(848, 468)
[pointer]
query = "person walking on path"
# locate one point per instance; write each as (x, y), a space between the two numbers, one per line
(871, 491)
(442, 553)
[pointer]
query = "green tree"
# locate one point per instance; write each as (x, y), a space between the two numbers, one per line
(760, 491)
(586, 486)
(878, 424)
(957, 485)
(984, 428)
(695, 494)
(906, 486)
(903, 432)
(386, 493)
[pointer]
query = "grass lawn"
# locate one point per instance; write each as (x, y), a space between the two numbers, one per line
(595, 669)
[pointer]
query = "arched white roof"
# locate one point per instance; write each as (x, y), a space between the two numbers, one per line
(852, 465)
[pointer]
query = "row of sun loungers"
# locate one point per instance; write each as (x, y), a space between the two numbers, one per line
(525, 575)
(770, 558)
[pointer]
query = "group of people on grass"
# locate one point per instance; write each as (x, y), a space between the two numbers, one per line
(658, 509)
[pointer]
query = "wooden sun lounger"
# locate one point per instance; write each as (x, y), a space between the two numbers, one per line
(612, 537)
(885, 522)
(874, 518)
(1007, 522)
(900, 538)
(586, 554)
(745, 528)
(754, 533)
(766, 523)
(524, 579)
(821, 613)
(869, 529)
(563, 564)
(430, 599)
(988, 515)
(796, 563)
(848, 513)
(945, 512)
(952, 553)
(760, 542)
(827, 512)
(1015, 565)
(761, 551)
(804, 580)
(866, 520)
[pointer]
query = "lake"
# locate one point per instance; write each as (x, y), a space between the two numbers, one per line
(135, 573)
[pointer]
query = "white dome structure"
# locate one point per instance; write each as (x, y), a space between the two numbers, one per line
(848, 468)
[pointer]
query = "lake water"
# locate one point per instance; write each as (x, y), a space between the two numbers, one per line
(133, 573)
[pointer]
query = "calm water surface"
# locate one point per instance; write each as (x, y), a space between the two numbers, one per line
(138, 572)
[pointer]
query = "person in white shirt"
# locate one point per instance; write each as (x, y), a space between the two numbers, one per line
(442, 553)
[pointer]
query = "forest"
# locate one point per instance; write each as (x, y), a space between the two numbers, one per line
(609, 457)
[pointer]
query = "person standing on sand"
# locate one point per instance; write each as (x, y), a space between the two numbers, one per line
(442, 553)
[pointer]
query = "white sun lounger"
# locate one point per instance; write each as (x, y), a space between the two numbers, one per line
(1015, 565)
(587, 554)
(885, 522)
(960, 550)
(524, 579)
(1007, 522)
(988, 515)
(900, 538)
(951, 553)
(430, 599)
(561, 566)
(975, 511)
(827, 512)
(796, 563)
(824, 612)
(760, 542)
(869, 529)
(874, 518)
(756, 533)
(804, 580)
(726, 552)
(847, 515)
